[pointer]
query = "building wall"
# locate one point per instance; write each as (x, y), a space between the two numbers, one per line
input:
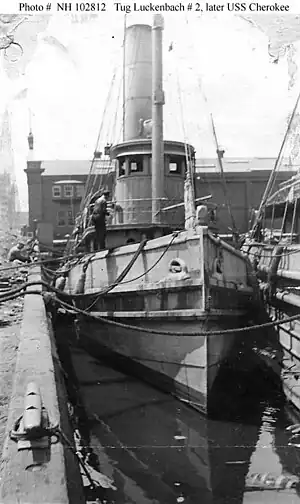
(51, 205)
(244, 189)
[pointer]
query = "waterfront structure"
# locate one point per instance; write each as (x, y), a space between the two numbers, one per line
(273, 247)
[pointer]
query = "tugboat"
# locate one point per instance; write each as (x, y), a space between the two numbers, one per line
(273, 246)
(165, 290)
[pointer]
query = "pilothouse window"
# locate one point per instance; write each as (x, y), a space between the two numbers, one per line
(175, 163)
(135, 164)
(121, 165)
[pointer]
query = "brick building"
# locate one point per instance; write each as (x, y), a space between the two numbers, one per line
(55, 190)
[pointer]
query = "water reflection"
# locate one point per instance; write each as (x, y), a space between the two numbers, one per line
(158, 450)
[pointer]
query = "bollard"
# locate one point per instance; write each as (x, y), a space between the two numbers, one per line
(32, 417)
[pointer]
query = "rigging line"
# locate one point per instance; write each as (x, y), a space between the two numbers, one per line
(169, 81)
(294, 219)
(112, 112)
(172, 199)
(187, 152)
(111, 164)
(84, 199)
(182, 119)
(269, 256)
(97, 175)
(129, 83)
(114, 126)
(123, 107)
(89, 189)
(219, 160)
(273, 174)
(132, 76)
(106, 164)
(224, 184)
(111, 139)
(119, 137)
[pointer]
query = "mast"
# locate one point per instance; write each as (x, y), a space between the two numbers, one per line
(220, 154)
(158, 101)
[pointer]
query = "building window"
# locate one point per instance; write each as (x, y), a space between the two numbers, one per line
(68, 191)
(135, 164)
(70, 218)
(79, 191)
(175, 164)
(56, 191)
(61, 218)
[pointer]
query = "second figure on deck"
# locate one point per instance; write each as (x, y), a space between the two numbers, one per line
(99, 215)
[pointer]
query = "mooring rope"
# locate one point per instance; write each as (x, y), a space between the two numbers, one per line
(120, 278)
(118, 281)
(108, 321)
(72, 309)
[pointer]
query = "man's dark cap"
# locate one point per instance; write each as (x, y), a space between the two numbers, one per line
(105, 192)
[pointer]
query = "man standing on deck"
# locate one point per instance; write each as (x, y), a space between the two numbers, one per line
(99, 219)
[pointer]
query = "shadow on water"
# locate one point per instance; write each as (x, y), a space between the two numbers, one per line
(156, 449)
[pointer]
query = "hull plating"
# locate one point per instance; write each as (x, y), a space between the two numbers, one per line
(185, 366)
(197, 285)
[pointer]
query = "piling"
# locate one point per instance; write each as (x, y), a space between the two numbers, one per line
(39, 474)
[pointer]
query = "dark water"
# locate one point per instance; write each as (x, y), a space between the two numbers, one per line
(156, 449)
